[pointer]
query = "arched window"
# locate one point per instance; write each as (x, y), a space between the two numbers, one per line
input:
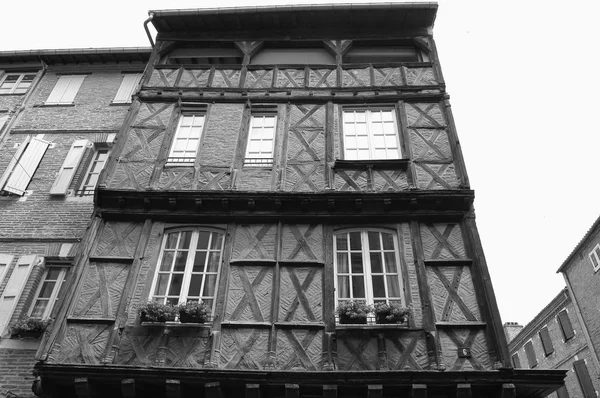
(188, 266)
(367, 266)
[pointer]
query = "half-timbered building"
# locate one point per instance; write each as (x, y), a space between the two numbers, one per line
(278, 162)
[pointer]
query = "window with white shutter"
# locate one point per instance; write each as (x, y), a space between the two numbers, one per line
(128, 85)
(65, 90)
(5, 260)
(23, 165)
(69, 167)
(14, 287)
(595, 257)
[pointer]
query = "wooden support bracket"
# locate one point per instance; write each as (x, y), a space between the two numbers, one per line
(292, 391)
(212, 390)
(419, 391)
(128, 388)
(173, 389)
(199, 204)
(509, 391)
(330, 391)
(252, 390)
(463, 390)
(82, 387)
(173, 203)
(147, 203)
(375, 391)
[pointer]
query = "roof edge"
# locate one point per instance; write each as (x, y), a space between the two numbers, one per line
(578, 246)
(72, 51)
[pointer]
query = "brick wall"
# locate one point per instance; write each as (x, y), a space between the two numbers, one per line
(16, 372)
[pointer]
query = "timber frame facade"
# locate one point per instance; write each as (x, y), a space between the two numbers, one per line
(278, 227)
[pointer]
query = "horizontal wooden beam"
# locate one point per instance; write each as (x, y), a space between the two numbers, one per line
(463, 390)
(375, 391)
(292, 391)
(330, 391)
(252, 390)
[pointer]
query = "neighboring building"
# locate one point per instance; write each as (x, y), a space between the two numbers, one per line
(511, 329)
(554, 339)
(278, 161)
(59, 113)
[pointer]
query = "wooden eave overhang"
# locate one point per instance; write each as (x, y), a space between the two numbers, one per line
(334, 20)
(10, 59)
(101, 380)
(207, 206)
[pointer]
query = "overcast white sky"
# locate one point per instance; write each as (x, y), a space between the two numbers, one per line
(524, 89)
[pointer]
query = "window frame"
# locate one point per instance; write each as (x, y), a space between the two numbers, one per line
(260, 161)
(172, 160)
(546, 340)
(516, 360)
(17, 83)
(530, 354)
(594, 256)
(72, 87)
(367, 268)
(122, 99)
(81, 190)
(564, 314)
(370, 133)
(188, 269)
(54, 296)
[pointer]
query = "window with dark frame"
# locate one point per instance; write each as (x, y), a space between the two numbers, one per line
(565, 325)
(546, 341)
(16, 83)
(188, 267)
(530, 352)
(370, 134)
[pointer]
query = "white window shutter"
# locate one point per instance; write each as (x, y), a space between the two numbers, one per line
(28, 163)
(13, 289)
(5, 260)
(14, 161)
(128, 84)
(69, 167)
(65, 89)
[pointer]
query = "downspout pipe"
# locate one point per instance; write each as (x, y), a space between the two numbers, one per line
(146, 22)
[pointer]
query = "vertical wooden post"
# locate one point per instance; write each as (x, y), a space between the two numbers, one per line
(419, 391)
(328, 299)
(459, 161)
(292, 391)
(128, 388)
(329, 144)
(425, 293)
(411, 173)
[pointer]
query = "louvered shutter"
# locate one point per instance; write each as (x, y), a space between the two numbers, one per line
(13, 289)
(65, 89)
(128, 84)
(530, 354)
(13, 161)
(3, 120)
(565, 325)
(25, 168)
(584, 379)
(562, 392)
(69, 167)
(516, 361)
(546, 341)
(5, 260)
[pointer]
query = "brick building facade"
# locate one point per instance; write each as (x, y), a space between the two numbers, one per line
(59, 113)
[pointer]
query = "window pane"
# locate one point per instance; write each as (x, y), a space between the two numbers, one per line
(53, 274)
(46, 290)
(195, 285)
(199, 262)
(343, 287)
(184, 242)
(357, 265)
(167, 261)
(374, 241)
(358, 287)
(213, 261)
(217, 241)
(355, 241)
(388, 241)
(342, 263)
(209, 286)
(390, 262)
(175, 287)
(161, 285)
(341, 242)
(180, 260)
(393, 286)
(203, 240)
(378, 286)
(376, 266)
(38, 309)
(171, 240)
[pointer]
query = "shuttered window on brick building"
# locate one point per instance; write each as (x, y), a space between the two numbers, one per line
(14, 287)
(546, 341)
(24, 163)
(516, 361)
(587, 387)
(529, 351)
(65, 90)
(128, 85)
(69, 167)
(565, 325)
(5, 260)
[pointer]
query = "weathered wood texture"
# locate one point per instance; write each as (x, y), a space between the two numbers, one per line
(382, 350)
(301, 294)
(249, 294)
(453, 294)
(118, 239)
(81, 343)
(452, 340)
(305, 158)
(255, 242)
(299, 349)
(149, 345)
(244, 348)
(442, 242)
(290, 77)
(407, 261)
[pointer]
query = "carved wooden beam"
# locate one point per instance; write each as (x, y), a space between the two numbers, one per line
(128, 388)
(463, 390)
(173, 388)
(419, 391)
(330, 391)
(252, 390)
(212, 390)
(375, 391)
(292, 391)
